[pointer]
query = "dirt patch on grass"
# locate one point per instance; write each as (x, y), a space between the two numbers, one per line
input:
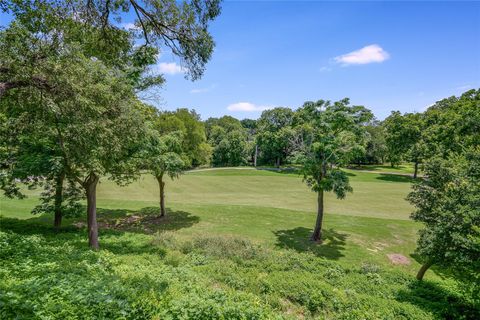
(397, 258)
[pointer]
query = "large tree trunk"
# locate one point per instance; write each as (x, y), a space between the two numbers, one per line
(58, 200)
(91, 192)
(161, 185)
(416, 170)
(423, 269)
(317, 232)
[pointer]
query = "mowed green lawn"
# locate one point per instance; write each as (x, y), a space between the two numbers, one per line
(273, 208)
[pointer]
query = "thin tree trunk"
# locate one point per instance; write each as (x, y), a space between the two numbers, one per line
(57, 222)
(91, 192)
(317, 232)
(423, 269)
(161, 185)
(416, 170)
(255, 157)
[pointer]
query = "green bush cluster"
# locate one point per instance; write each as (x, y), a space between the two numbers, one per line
(47, 275)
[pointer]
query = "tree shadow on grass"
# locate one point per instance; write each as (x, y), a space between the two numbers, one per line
(395, 178)
(446, 304)
(113, 224)
(145, 220)
(299, 240)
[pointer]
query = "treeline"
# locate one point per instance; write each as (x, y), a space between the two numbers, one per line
(275, 138)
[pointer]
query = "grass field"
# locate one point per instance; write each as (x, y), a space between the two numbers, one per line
(209, 210)
(275, 208)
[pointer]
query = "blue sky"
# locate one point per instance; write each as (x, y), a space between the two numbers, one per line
(384, 55)
(283, 53)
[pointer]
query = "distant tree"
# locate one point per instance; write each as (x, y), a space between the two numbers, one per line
(447, 202)
(252, 148)
(274, 134)
(229, 147)
(228, 123)
(374, 149)
(228, 139)
(194, 145)
(405, 138)
(332, 133)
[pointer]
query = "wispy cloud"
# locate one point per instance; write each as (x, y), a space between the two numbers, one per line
(171, 68)
(369, 54)
(247, 107)
(464, 87)
(325, 69)
(203, 90)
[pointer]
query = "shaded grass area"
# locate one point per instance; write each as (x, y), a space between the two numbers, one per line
(136, 275)
(404, 168)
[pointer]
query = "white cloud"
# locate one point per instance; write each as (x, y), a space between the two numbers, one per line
(203, 90)
(170, 68)
(247, 107)
(129, 25)
(325, 69)
(369, 54)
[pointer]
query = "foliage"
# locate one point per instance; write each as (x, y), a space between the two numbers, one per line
(332, 137)
(453, 124)
(195, 149)
(203, 278)
(275, 135)
(229, 141)
(405, 137)
(448, 204)
(182, 28)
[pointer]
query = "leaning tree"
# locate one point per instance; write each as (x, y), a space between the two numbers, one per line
(447, 202)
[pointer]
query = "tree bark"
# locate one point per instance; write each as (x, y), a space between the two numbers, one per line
(416, 170)
(423, 269)
(90, 186)
(161, 185)
(57, 222)
(255, 156)
(317, 232)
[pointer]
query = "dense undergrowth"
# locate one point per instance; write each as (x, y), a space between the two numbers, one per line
(48, 275)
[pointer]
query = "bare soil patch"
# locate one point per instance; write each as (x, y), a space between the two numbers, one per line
(397, 258)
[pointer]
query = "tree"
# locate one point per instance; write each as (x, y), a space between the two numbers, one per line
(90, 122)
(405, 138)
(274, 134)
(229, 147)
(163, 157)
(181, 27)
(447, 202)
(228, 139)
(452, 124)
(35, 48)
(332, 132)
(195, 149)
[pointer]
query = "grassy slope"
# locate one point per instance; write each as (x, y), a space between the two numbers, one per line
(273, 209)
